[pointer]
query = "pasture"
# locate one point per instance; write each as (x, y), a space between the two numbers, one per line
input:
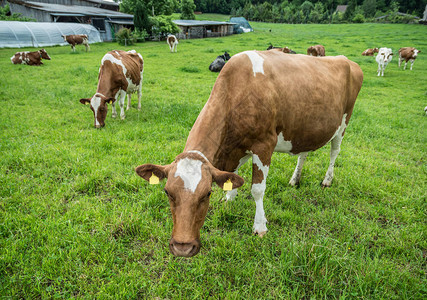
(76, 221)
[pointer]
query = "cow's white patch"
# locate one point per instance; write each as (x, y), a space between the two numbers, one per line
(282, 145)
(200, 153)
(95, 102)
(416, 52)
(190, 171)
(256, 60)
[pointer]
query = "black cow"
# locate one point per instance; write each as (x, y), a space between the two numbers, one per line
(219, 62)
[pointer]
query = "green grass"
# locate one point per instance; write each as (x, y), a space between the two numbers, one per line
(76, 221)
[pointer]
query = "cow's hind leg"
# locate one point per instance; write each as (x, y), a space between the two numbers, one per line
(297, 173)
(122, 104)
(113, 112)
(412, 63)
(139, 94)
(335, 150)
(260, 167)
(129, 97)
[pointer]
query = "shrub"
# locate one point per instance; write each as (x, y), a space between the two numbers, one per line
(358, 18)
(125, 37)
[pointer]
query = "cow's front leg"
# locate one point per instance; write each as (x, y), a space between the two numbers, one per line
(122, 104)
(379, 70)
(335, 150)
(260, 167)
(412, 63)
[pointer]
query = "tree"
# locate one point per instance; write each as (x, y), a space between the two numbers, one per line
(187, 10)
(141, 19)
(349, 12)
(369, 7)
(156, 7)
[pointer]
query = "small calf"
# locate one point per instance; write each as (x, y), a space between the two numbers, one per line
(317, 50)
(219, 62)
(385, 55)
(30, 58)
(370, 52)
(406, 54)
(77, 39)
(172, 42)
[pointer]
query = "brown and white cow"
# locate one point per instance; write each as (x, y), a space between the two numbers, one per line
(172, 42)
(77, 39)
(317, 50)
(406, 54)
(262, 102)
(370, 52)
(29, 58)
(120, 74)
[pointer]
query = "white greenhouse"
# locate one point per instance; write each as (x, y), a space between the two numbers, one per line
(14, 34)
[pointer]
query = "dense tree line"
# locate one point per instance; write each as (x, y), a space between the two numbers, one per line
(299, 11)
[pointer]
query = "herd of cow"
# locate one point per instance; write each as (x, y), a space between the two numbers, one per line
(262, 102)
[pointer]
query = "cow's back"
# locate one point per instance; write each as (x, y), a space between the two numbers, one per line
(303, 97)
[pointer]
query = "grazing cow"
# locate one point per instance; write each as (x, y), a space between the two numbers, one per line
(77, 39)
(120, 74)
(406, 54)
(284, 49)
(384, 56)
(262, 102)
(317, 50)
(172, 42)
(370, 52)
(29, 58)
(219, 62)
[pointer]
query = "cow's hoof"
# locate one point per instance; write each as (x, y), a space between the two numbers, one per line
(260, 233)
(325, 184)
(122, 118)
(294, 183)
(114, 115)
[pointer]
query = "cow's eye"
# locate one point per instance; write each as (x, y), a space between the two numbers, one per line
(166, 192)
(208, 195)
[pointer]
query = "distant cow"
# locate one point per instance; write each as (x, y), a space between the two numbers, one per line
(77, 39)
(370, 52)
(219, 62)
(120, 74)
(262, 102)
(284, 49)
(30, 58)
(317, 50)
(406, 54)
(384, 56)
(172, 42)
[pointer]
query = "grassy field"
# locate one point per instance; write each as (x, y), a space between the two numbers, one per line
(76, 221)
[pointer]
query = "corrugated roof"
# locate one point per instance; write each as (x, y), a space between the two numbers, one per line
(199, 23)
(75, 9)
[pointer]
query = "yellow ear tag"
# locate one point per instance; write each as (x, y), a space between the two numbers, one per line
(87, 103)
(154, 179)
(228, 185)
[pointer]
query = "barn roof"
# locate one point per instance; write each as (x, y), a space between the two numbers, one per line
(341, 8)
(199, 23)
(72, 10)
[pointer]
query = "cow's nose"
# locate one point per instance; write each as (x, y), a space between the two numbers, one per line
(184, 249)
(97, 126)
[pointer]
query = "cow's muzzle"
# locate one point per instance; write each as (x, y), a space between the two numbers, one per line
(184, 249)
(99, 126)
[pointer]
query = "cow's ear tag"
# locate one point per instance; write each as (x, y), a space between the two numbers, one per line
(87, 103)
(154, 179)
(228, 185)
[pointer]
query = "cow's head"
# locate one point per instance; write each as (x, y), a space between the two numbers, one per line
(387, 55)
(188, 187)
(98, 104)
(415, 52)
(376, 50)
(226, 56)
(44, 54)
(64, 37)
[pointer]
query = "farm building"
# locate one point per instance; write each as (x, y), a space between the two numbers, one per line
(14, 34)
(103, 15)
(191, 29)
